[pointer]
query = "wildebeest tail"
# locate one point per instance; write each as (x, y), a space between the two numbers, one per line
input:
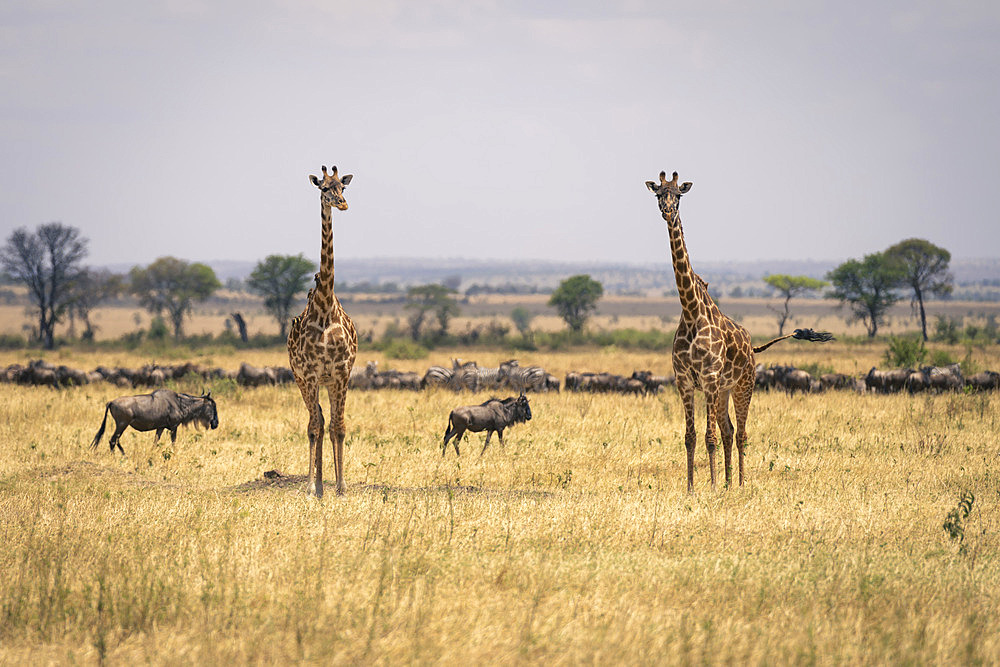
(801, 334)
(100, 431)
(450, 426)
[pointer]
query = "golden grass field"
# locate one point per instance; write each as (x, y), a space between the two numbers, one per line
(576, 543)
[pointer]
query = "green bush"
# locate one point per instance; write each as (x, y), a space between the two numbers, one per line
(403, 349)
(946, 329)
(905, 351)
(158, 329)
(12, 342)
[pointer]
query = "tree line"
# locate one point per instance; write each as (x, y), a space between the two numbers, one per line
(49, 262)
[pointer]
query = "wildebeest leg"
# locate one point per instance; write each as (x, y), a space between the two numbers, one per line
(458, 436)
(159, 432)
(488, 434)
(173, 435)
(116, 436)
(726, 429)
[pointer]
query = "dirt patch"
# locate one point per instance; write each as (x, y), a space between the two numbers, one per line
(273, 479)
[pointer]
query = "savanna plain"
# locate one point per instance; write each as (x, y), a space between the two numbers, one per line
(866, 532)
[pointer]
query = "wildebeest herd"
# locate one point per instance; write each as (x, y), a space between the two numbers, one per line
(164, 409)
(508, 375)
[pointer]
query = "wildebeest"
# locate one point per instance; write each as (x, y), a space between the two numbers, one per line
(984, 381)
(887, 382)
(161, 410)
(491, 415)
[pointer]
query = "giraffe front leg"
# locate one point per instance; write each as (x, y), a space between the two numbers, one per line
(310, 395)
(690, 435)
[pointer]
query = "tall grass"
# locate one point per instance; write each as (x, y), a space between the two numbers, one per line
(574, 543)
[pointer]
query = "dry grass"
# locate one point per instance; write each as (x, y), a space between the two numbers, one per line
(576, 543)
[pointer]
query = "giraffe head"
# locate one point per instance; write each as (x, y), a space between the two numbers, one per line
(332, 188)
(668, 194)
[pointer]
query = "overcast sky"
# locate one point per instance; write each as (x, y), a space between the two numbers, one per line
(507, 130)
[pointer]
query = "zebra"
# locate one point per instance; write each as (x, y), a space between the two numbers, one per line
(437, 376)
(491, 378)
(465, 375)
(524, 379)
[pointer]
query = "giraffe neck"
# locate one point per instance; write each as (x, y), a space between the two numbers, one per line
(324, 286)
(691, 306)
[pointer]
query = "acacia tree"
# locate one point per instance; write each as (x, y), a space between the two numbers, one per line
(867, 286)
(279, 278)
(575, 299)
(173, 285)
(424, 299)
(923, 268)
(788, 287)
(47, 261)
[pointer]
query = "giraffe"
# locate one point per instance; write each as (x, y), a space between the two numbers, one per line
(322, 344)
(711, 352)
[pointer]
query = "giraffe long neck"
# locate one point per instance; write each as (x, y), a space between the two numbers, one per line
(324, 286)
(691, 306)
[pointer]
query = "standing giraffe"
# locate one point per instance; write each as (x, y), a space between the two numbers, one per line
(322, 344)
(711, 353)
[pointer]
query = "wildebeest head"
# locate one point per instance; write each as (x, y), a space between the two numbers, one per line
(522, 411)
(668, 194)
(332, 188)
(206, 414)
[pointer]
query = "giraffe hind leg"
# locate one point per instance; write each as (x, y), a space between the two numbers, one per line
(741, 406)
(726, 429)
(338, 432)
(711, 404)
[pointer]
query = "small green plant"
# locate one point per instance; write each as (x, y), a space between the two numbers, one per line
(968, 365)
(905, 351)
(953, 523)
(946, 329)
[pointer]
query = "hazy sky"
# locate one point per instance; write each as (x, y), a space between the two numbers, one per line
(502, 129)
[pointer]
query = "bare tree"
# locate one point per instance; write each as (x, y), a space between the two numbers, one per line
(90, 288)
(48, 262)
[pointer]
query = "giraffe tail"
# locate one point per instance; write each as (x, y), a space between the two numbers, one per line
(801, 334)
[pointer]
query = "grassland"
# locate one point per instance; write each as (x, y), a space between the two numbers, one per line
(575, 543)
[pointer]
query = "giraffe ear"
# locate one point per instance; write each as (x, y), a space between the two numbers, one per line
(652, 187)
(315, 181)
(346, 179)
(684, 187)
